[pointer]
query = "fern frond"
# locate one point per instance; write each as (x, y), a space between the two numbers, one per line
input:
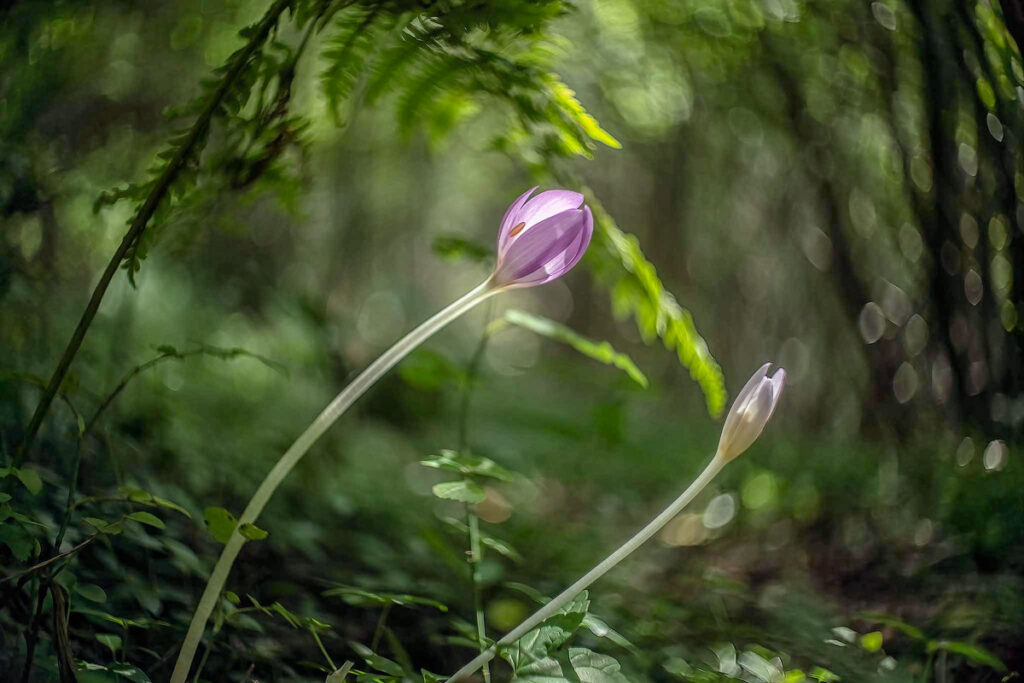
(637, 291)
(416, 44)
(346, 55)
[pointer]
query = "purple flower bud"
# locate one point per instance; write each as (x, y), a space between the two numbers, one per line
(541, 238)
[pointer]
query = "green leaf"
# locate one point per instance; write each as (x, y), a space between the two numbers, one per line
(232, 597)
(469, 465)
(872, 642)
(123, 622)
(364, 598)
(30, 480)
(550, 635)
(220, 523)
(566, 100)
(589, 667)
(824, 675)
(252, 532)
(164, 503)
(599, 628)
(873, 617)
(972, 652)
(131, 672)
(103, 526)
(619, 264)
(602, 352)
(376, 661)
(136, 495)
(18, 540)
(4, 497)
(466, 491)
(147, 518)
(111, 641)
(592, 667)
(497, 545)
(91, 592)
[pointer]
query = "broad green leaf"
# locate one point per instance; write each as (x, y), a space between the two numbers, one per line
(364, 598)
(589, 667)
(4, 497)
(468, 464)
(545, 670)
(552, 633)
(220, 523)
(872, 642)
(592, 667)
(91, 591)
(466, 491)
(136, 495)
(18, 540)
(599, 351)
(111, 641)
(973, 652)
(30, 480)
(147, 518)
(252, 532)
(823, 675)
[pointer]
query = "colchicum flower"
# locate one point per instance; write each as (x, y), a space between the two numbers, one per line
(746, 420)
(540, 239)
(750, 412)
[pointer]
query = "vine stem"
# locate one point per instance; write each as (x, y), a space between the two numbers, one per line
(641, 537)
(196, 134)
(291, 457)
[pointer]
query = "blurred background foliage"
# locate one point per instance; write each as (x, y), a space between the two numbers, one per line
(836, 187)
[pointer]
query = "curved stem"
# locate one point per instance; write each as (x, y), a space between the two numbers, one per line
(597, 572)
(291, 457)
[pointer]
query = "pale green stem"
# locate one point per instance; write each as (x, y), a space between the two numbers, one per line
(552, 607)
(475, 557)
(291, 457)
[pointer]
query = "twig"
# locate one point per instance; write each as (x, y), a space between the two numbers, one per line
(138, 226)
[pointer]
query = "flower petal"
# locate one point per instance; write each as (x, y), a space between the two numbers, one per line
(509, 220)
(567, 260)
(778, 381)
(543, 206)
(545, 242)
(741, 399)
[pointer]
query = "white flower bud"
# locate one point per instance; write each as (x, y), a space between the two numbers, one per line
(750, 412)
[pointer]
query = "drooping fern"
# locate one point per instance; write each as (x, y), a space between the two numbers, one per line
(440, 69)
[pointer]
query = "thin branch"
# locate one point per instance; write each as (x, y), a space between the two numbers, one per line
(196, 134)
